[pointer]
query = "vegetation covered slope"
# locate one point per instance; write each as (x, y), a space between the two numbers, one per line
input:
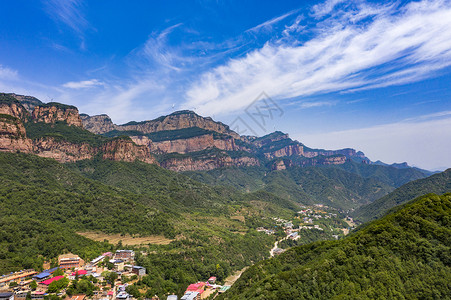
(405, 255)
(438, 183)
(327, 185)
(43, 203)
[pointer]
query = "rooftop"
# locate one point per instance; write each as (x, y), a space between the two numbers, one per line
(49, 281)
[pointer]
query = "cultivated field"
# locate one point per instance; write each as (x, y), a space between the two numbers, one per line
(126, 239)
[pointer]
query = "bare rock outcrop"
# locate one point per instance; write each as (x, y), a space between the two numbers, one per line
(55, 112)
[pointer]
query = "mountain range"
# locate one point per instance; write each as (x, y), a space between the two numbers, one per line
(207, 150)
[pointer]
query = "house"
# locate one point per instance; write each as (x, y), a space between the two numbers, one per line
(21, 295)
(109, 254)
(140, 271)
(38, 295)
(98, 259)
(41, 276)
(16, 277)
(172, 297)
(7, 296)
(68, 261)
(212, 279)
(191, 296)
(78, 297)
(122, 296)
(79, 273)
(47, 282)
(118, 264)
(125, 254)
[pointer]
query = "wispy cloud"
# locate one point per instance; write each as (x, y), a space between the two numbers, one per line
(7, 73)
(69, 13)
(364, 46)
(317, 104)
(83, 84)
(268, 24)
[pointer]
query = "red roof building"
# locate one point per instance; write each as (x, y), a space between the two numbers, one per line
(80, 273)
(196, 287)
(49, 281)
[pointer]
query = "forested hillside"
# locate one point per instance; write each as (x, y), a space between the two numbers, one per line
(43, 204)
(344, 186)
(404, 255)
(438, 183)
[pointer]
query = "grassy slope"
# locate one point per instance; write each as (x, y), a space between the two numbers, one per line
(438, 183)
(405, 255)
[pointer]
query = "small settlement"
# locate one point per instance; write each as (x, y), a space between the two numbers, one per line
(29, 284)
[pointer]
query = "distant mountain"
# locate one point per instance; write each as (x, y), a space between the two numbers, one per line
(438, 183)
(404, 255)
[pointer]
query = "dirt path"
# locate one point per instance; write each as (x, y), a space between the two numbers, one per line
(276, 245)
(234, 277)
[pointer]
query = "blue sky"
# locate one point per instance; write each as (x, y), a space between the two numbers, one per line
(370, 75)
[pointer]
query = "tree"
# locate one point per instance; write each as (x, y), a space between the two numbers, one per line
(56, 286)
(58, 272)
(33, 285)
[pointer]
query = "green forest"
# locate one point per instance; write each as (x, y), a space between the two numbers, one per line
(404, 255)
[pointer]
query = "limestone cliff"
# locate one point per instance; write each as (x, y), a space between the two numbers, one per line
(194, 144)
(178, 120)
(289, 150)
(15, 109)
(13, 135)
(97, 124)
(116, 149)
(55, 112)
(210, 163)
(28, 102)
(126, 150)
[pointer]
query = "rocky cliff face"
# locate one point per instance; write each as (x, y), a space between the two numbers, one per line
(178, 120)
(289, 150)
(126, 150)
(197, 147)
(28, 102)
(13, 137)
(56, 112)
(190, 164)
(188, 145)
(117, 149)
(97, 124)
(14, 109)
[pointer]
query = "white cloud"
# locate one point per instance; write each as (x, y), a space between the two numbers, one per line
(83, 84)
(7, 73)
(67, 12)
(423, 141)
(365, 46)
(322, 9)
(268, 24)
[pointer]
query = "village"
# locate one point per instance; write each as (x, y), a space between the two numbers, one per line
(110, 276)
(316, 218)
(106, 278)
